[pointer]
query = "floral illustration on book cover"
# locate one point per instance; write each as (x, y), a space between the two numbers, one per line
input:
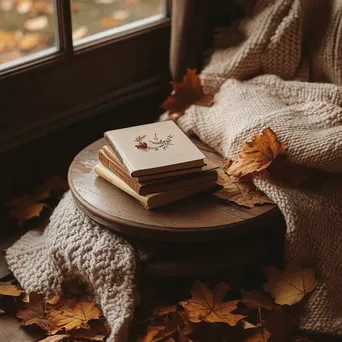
(155, 144)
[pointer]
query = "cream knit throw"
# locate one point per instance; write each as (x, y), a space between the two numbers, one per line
(281, 38)
(75, 247)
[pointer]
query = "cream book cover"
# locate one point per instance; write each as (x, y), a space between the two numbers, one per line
(154, 148)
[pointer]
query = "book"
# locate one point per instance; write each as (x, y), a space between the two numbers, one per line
(153, 177)
(158, 199)
(209, 173)
(154, 148)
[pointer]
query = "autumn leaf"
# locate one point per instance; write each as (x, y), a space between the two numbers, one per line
(56, 338)
(73, 317)
(163, 310)
(8, 289)
(258, 154)
(158, 332)
(31, 41)
(35, 313)
(207, 306)
(242, 192)
(291, 285)
(87, 335)
(9, 40)
(186, 94)
(257, 335)
(254, 300)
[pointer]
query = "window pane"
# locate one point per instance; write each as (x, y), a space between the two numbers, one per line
(90, 17)
(27, 28)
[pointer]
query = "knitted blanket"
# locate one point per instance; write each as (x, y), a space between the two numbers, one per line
(306, 116)
(75, 247)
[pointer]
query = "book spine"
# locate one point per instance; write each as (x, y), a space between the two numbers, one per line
(115, 150)
(120, 173)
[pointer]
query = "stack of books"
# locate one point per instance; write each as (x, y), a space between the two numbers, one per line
(155, 163)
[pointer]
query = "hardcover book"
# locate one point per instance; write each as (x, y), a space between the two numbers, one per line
(158, 199)
(208, 173)
(154, 148)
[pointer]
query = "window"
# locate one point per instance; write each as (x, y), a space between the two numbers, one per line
(61, 60)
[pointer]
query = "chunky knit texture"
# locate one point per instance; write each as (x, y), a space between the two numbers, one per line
(306, 116)
(75, 247)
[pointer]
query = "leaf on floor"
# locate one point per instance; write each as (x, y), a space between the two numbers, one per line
(208, 306)
(291, 285)
(257, 335)
(8, 289)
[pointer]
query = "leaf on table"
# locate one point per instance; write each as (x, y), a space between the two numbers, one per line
(291, 285)
(257, 335)
(34, 313)
(37, 23)
(242, 192)
(80, 33)
(31, 41)
(258, 154)
(254, 300)
(207, 306)
(73, 317)
(8, 289)
(56, 338)
(186, 94)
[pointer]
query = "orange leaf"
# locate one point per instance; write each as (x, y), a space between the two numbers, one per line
(257, 335)
(258, 154)
(291, 285)
(56, 338)
(31, 41)
(8, 289)
(186, 94)
(207, 306)
(73, 317)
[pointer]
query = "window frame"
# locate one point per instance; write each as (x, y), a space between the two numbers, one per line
(56, 90)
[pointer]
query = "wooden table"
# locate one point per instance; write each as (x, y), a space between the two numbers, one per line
(199, 226)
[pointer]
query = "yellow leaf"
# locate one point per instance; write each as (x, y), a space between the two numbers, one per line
(73, 317)
(186, 94)
(291, 285)
(207, 306)
(255, 300)
(7, 289)
(242, 192)
(258, 154)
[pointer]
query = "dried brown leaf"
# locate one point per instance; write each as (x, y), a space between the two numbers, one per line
(8, 289)
(258, 154)
(87, 335)
(163, 310)
(207, 306)
(35, 313)
(73, 317)
(257, 335)
(242, 192)
(254, 300)
(291, 285)
(186, 94)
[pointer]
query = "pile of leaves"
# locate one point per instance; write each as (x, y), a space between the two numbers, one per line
(209, 315)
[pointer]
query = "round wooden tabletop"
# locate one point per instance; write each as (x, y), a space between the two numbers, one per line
(201, 217)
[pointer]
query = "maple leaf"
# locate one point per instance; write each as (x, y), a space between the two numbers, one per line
(35, 313)
(186, 94)
(87, 335)
(258, 154)
(257, 335)
(238, 190)
(291, 285)
(73, 317)
(207, 306)
(8, 289)
(254, 300)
